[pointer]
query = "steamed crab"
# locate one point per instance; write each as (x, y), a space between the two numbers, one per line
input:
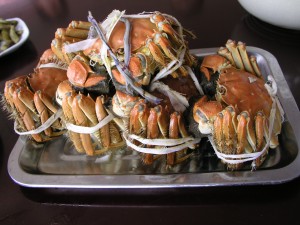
(156, 129)
(241, 115)
(30, 99)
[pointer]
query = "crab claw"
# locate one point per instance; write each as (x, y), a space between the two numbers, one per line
(81, 76)
(204, 112)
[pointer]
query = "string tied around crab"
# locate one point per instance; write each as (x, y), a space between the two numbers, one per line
(162, 145)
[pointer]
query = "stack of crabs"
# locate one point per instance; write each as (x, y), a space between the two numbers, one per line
(132, 81)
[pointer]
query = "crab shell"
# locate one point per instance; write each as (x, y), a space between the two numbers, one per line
(244, 91)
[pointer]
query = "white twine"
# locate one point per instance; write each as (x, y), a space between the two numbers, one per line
(194, 78)
(178, 101)
(89, 130)
(171, 67)
(163, 150)
(160, 141)
(53, 65)
(79, 46)
(241, 158)
(41, 128)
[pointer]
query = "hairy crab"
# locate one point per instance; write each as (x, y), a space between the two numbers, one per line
(159, 129)
(243, 116)
(31, 99)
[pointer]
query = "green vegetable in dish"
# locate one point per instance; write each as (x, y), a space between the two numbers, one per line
(8, 33)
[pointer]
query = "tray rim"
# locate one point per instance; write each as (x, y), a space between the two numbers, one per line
(229, 178)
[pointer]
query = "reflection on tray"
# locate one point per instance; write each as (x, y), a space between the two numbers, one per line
(59, 157)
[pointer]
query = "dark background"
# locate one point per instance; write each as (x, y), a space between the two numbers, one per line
(213, 22)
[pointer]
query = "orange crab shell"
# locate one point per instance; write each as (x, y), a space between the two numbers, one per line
(244, 91)
(141, 29)
(47, 80)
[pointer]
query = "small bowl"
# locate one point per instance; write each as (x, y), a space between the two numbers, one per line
(24, 36)
(281, 13)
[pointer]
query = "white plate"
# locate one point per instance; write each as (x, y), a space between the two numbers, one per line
(280, 13)
(25, 34)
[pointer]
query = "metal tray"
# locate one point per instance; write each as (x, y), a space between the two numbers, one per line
(56, 164)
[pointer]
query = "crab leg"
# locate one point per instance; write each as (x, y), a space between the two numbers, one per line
(231, 45)
(80, 25)
(42, 110)
(183, 132)
(259, 130)
(104, 131)
(87, 106)
(245, 58)
(82, 120)
(162, 120)
(11, 87)
(77, 33)
(138, 118)
(226, 53)
(164, 43)
(67, 109)
(173, 133)
(168, 29)
(260, 123)
(229, 127)
(152, 133)
(255, 66)
(24, 110)
(56, 46)
(156, 52)
(218, 132)
(243, 120)
(46, 100)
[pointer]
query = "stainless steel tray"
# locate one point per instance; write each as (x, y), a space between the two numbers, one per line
(56, 164)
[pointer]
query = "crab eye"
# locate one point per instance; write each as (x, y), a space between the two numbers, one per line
(221, 90)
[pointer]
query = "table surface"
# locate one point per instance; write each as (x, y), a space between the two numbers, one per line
(213, 22)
